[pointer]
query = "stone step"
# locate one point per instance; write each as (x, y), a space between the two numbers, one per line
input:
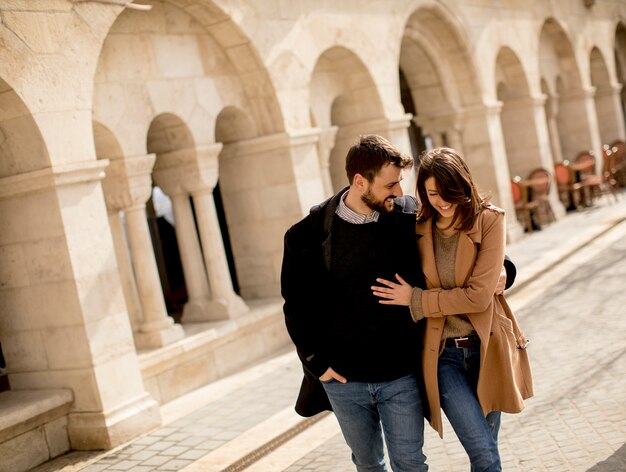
(33, 421)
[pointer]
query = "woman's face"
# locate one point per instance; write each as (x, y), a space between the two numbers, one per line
(445, 209)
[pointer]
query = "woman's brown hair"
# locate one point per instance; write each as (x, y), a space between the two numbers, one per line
(454, 184)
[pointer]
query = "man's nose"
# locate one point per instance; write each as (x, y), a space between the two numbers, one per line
(397, 190)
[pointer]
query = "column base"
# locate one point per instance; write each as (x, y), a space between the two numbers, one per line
(514, 231)
(159, 337)
(106, 430)
(215, 310)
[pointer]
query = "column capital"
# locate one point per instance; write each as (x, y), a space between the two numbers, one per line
(582, 93)
(52, 177)
(128, 182)
(187, 170)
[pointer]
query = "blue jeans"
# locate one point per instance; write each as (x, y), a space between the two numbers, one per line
(361, 408)
(458, 378)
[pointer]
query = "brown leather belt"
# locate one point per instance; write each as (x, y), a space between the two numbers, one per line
(464, 342)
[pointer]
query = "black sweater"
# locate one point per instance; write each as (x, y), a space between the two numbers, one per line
(364, 340)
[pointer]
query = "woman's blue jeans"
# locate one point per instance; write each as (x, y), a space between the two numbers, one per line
(458, 378)
(361, 408)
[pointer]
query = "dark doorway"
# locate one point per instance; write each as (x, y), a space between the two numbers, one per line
(4, 376)
(221, 216)
(416, 136)
(167, 256)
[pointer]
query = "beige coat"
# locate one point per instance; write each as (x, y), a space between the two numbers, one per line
(505, 378)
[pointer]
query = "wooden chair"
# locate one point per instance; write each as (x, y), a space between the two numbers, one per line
(593, 185)
(618, 161)
(523, 208)
(539, 181)
(569, 189)
(610, 166)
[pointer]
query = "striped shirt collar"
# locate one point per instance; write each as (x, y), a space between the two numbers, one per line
(353, 217)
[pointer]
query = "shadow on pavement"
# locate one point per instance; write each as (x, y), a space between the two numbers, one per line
(615, 463)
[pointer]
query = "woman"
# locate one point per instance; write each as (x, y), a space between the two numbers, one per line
(474, 361)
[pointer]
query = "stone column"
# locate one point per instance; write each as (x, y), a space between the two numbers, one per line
(484, 149)
(197, 307)
(194, 172)
(610, 114)
(122, 255)
(578, 123)
(324, 146)
(129, 183)
(546, 159)
(267, 184)
(65, 324)
(552, 111)
(225, 303)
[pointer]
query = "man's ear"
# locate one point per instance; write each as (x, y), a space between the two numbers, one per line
(360, 182)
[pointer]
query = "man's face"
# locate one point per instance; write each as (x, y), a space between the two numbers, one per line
(380, 194)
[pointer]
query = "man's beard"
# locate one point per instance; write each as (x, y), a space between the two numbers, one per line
(378, 205)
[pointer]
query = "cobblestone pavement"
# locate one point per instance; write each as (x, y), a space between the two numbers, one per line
(577, 420)
(574, 314)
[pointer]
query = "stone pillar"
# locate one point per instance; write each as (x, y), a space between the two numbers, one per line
(397, 131)
(197, 307)
(578, 123)
(129, 185)
(64, 323)
(122, 255)
(484, 149)
(194, 172)
(324, 146)
(544, 154)
(225, 303)
(552, 111)
(610, 114)
(267, 184)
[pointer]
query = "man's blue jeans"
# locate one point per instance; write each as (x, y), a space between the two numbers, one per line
(361, 408)
(458, 377)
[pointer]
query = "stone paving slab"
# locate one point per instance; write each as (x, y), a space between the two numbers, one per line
(577, 421)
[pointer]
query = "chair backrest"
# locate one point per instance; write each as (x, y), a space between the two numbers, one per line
(588, 162)
(516, 191)
(619, 149)
(562, 173)
(541, 181)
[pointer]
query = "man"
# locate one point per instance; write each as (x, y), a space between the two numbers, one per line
(362, 353)
(360, 357)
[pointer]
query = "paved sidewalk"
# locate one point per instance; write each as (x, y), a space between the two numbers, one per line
(577, 421)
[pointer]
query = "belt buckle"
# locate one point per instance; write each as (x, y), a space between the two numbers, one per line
(456, 342)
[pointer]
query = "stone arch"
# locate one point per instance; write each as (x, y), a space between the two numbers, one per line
(436, 67)
(176, 59)
(559, 69)
(22, 148)
(344, 96)
(28, 220)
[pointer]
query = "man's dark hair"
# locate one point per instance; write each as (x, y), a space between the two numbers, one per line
(370, 154)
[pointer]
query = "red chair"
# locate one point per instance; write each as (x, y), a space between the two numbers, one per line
(539, 182)
(594, 185)
(568, 188)
(618, 160)
(523, 207)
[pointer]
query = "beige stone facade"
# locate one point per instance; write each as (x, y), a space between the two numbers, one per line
(151, 160)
